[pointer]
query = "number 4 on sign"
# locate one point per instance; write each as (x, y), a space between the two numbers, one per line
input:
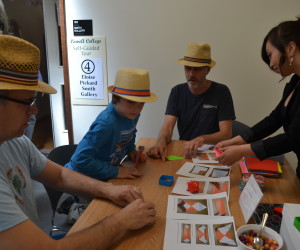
(88, 66)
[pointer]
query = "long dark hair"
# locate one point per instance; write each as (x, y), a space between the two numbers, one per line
(280, 36)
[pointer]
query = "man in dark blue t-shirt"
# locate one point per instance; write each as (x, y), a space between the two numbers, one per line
(203, 109)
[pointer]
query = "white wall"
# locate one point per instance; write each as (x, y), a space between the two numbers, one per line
(153, 35)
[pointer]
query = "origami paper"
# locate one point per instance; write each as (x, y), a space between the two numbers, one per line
(216, 173)
(190, 206)
(220, 207)
(202, 234)
(186, 237)
(218, 187)
(224, 235)
(199, 170)
(174, 157)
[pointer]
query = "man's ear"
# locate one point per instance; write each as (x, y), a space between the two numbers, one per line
(208, 70)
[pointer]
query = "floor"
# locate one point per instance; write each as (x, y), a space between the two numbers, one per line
(42, 136)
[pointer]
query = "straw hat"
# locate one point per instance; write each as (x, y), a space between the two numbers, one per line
(19, 65)
(197, 55)
(133, 84)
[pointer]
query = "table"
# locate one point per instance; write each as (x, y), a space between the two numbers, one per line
(276, 190)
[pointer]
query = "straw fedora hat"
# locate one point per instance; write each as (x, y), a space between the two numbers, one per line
(197, 55)
(19, 66)
(133, 84)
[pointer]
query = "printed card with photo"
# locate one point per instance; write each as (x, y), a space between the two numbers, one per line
(215, 187)
(193, 207)
(198, 186)
(205, 147)
(219, 233)
(207, 156)
(191, 169)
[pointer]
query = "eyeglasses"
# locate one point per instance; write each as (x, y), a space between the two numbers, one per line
(29, 104)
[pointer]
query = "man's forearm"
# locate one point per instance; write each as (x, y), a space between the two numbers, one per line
(79, 184)
(72, 182)
(215, 138)
(164, 137)
(100, 236)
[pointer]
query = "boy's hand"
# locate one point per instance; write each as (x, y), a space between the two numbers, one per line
(128, 173)
(134, 154)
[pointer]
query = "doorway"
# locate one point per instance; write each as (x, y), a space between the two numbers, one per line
(26, 21)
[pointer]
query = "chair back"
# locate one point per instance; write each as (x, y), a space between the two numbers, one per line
(60, 155)
(238, 127)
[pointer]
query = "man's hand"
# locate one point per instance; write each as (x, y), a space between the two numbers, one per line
(128, 173)
(159, 150)
(122, 195)
(191, 147)
(136, 215)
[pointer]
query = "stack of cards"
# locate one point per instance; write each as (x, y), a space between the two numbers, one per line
(259, 179)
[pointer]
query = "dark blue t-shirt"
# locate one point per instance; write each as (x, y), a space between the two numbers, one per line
(200, 114)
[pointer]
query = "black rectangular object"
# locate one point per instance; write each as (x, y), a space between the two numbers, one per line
(83, 27)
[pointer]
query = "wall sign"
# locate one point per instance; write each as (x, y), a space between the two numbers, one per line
(83, 27)
(88, 70)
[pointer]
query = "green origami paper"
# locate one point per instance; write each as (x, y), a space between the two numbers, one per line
(174, 157)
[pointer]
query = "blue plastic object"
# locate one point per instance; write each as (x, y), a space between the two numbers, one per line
(166, 180)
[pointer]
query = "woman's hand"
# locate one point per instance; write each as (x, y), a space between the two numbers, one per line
(233, 154)
(237, 140)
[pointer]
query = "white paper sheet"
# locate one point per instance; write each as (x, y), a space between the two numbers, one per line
(191, 169)
(201, 206)
(206, 186)
(205, 147)
(250, 197)
(219, 233)
(207, 156)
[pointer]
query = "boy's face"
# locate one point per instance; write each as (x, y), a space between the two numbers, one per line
(129, 109)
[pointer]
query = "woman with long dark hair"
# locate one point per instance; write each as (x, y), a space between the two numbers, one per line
(281, 52)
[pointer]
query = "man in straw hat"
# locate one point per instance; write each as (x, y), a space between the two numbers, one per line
(20, 162)
(203, 109)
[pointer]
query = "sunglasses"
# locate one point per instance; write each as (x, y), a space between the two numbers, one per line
(29, 104)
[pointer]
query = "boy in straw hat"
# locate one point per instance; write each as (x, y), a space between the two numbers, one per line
(203, 109)
(20, 162)
(112, 135)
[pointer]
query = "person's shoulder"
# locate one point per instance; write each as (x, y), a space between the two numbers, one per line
(294, 79)
(179, 87)
(219, 86)
(18, 145)
(106, 115)
(22, 140)
(292, 82)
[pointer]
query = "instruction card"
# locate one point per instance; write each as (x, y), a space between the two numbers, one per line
(204, 186)
(207, 156)
(203, 170)
(219, 233)
(250, 197)
(195, 207)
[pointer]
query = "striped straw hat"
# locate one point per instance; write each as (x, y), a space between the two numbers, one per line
(133, 84)
(197, 55)
(19, 65)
